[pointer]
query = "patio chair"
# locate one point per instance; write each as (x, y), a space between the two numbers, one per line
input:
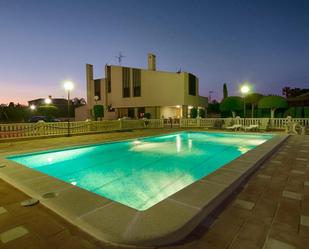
(227, 122)
(264, 124)
(234, 127)
(251, 127)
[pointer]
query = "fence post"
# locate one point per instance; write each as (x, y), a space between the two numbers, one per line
(198, 122)
(40, 126)
(120, 124)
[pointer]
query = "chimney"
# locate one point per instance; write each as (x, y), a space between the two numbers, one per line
(151, 62)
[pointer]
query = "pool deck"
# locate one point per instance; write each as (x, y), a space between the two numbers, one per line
(272, 210)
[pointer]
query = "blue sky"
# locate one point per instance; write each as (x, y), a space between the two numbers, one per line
(43, 43)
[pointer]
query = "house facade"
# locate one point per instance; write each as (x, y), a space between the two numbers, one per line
(132, 92)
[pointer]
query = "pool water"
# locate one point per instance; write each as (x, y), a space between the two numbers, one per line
(142, 172)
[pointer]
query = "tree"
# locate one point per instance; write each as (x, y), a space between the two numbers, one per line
(289, 92)
(225, 93)
(193, 113)
(253, 99)
(232, 104)
(98, 111)
(273, 103)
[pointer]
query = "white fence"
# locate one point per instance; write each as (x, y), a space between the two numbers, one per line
(23, 130)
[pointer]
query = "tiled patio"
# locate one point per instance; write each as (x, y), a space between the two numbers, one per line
(270, 212)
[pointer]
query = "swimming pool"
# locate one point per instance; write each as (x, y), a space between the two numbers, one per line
(142, 172)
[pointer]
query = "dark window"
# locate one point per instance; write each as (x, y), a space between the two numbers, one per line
(136, 82)
(131, 112)
(108, 79)
(125, 82)
(192, 84)
(97, 88)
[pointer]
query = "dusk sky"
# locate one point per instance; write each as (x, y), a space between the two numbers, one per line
(43, 43)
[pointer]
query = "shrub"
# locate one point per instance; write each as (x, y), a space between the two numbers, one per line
(147, 115)
(49, 111)
(299, 112)
(201, 113)
(193, 113)
(98, 111)
(306, 112)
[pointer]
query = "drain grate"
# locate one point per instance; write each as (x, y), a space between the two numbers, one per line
(49, 195)
(29, 202)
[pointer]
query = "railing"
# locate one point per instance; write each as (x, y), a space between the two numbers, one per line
(61, 128)
(23, 130)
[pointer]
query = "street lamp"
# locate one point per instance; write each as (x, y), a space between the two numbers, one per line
(244, 90)
(48, 101)
(32, 107)
(68, 85)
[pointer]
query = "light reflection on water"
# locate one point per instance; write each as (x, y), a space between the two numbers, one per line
(142, 172)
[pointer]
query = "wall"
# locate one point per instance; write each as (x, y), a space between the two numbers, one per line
(157, 89)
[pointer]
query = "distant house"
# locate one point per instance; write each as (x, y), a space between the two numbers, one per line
(301, 100)
(60, 103)
(132, 92)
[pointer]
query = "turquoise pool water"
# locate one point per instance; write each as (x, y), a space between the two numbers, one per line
(142, 172)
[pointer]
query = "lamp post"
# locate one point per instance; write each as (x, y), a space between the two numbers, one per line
(68, 85)
(244, 90)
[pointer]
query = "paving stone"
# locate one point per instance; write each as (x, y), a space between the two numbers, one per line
(277, 244)
(275, 161)
(306, 183)
(298, 172)
(304, 220)
(244, 204)
(301, 159)
(2, 210)
(304, 151)
(292, 195)
(264, 176)
(13, 234)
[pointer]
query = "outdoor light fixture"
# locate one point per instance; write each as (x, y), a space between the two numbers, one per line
(32, 107)
(68, 85)
(178, 106)
(190, 106)
(48, 101)
(244, 90)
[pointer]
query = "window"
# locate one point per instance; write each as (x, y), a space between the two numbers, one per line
(192, 85)
(108, 79)
(97, 88)
(136, 82)
(125, 82)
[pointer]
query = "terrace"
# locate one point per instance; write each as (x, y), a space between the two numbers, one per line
(254, 216)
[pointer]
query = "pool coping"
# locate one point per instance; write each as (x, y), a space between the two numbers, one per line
(164, 223)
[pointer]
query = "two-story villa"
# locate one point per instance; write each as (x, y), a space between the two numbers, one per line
(131, 92)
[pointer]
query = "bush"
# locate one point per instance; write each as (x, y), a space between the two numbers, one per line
(299, 112)
(49, 111)
(193, 113)
(98, 111)
(290, 112)
(201, 113)
(306, 112)
(147, 115)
